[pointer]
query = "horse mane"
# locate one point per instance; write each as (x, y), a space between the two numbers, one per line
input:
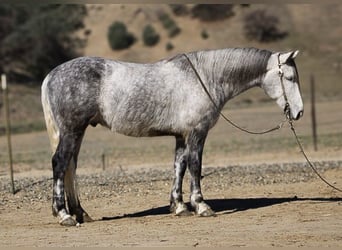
(229, 65)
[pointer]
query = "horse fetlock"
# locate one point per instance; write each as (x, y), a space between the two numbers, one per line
(179, 209)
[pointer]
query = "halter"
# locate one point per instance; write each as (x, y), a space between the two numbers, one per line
(287, 110)
(290, 121)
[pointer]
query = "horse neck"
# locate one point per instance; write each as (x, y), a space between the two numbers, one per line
(230, 72)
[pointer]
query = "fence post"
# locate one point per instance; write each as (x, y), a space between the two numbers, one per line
(8, 128)
(313, 112)
(103, 157)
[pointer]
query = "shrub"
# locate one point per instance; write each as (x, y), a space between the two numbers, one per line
(179, 9)
(118, 36)
(260, 26)
(169, 24)
(204, 34)
(174, 31)
(212, 12)
(169, 46)
(150, 36)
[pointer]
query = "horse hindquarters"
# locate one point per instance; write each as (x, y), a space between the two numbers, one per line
(64, 163)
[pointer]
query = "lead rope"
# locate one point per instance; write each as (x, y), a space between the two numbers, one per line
(290, 121)
(307, 159)
(287, 117)
(279, 126)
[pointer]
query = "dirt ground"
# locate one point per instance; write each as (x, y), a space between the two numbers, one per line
(278, 208)
(262, 197)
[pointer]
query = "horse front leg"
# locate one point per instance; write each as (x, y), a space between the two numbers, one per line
(195, 146)
(177, 204)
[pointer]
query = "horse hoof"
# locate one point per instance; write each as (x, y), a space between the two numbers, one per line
(204, 210)
(68, 221)
(180, 209)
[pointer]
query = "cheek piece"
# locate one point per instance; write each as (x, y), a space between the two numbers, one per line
(287, 110)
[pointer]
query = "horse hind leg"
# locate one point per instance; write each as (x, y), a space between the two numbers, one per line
(64, 181)
(71, 189)
(59, 161)
(64, 162)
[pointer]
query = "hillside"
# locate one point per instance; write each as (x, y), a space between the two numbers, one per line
(313, 29)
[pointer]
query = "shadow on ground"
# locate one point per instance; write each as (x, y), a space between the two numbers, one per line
(227, 206)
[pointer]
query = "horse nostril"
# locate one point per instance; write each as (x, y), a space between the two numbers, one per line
(299, 115)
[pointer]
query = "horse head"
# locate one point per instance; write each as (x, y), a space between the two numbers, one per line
(281, 83)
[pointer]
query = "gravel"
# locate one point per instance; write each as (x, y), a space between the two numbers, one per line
(117, 182)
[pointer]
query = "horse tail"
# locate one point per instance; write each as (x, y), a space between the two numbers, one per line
(51, 125)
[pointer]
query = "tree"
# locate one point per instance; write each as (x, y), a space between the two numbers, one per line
(263, 27)
(118, 36)
(169, 24)
(212, 12)
(150, 36)
(35, 39)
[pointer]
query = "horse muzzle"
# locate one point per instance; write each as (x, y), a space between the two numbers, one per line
(299, 115)
(293, 115)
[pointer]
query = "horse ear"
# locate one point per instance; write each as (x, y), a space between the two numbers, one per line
(289, 55)
(294, 54)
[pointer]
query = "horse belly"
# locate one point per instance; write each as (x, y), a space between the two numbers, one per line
(142, 120)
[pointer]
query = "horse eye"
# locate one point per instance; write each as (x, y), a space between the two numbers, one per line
(290, 78)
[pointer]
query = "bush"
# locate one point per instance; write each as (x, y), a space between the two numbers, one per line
(174, 31)
(169, 24)
(169, 46)
(204, 34)
(260, 26)
(212, 12)
(118, 36)
(179, 9)
(150, 36)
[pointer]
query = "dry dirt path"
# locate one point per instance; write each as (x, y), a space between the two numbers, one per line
(260, 205)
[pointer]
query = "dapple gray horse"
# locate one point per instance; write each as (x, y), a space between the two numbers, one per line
(162, 98)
